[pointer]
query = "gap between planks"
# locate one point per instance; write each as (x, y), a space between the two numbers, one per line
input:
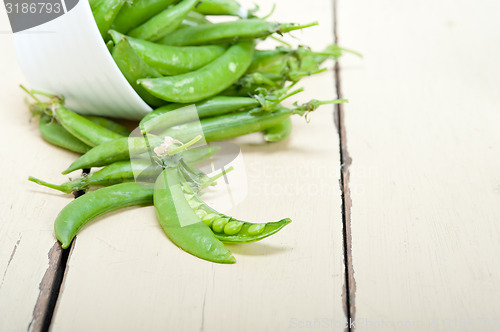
(349, 289)
(52, 282)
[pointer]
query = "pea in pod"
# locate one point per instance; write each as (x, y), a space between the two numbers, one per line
(228, 229)
(180, 222)
(206, 81)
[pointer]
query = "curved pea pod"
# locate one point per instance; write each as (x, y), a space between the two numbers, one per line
(164, 22)
(181, 224)
(87, 207)
(163, 117)
(108, 124)
(55, 134)
(206, 81)
(279, 132)
(226, 32)
(138, 12)
(221, 7)
(105, 12)
(172, 60)
(228, 229)
(133, 67)
(82, 128)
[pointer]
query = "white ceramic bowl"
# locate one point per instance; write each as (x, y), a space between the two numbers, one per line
(68, 56)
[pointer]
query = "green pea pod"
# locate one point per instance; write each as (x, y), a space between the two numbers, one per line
(163, 23)
(123, 171)
(105, 12)
(133, 68)
(279, 132)
(131, 16)
(206, 81)
(108, 124)
(55, 134)
(229, 125)
(181, 224)
(109, 152)
(194, 19)
(221, 7)
(85, 130)
(110, 44)
(245, 29)
(87, 207)
(172, 60)
(233, 230)
(273, 61)
(163, 117)
(119, 150)
(118, 172)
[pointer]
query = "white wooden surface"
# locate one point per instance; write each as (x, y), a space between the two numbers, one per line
(423, 134)
(125, 275)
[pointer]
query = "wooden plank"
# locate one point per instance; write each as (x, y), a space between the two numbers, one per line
(124, 274)
(29, 257)
(422, 130)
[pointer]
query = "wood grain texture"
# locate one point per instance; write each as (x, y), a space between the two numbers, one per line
(124, 274)
(27, 211)
(422, 129)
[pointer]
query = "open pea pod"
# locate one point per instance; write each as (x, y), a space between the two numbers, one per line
(228, 229)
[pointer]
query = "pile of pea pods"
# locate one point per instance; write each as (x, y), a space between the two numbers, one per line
(174, 56)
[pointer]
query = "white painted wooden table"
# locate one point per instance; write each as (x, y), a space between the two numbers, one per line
(407, 192)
